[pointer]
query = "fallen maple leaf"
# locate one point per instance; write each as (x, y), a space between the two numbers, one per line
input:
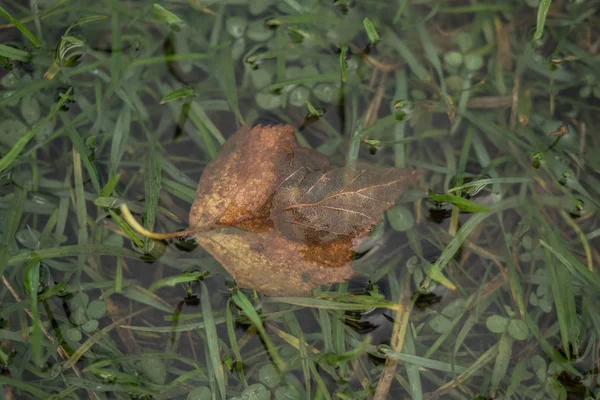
(282, 221)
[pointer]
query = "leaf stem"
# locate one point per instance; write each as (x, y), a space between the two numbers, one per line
(136, 226)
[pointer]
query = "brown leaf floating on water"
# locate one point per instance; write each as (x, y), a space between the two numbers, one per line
(269, 262)
(281, 220)
(323, 206)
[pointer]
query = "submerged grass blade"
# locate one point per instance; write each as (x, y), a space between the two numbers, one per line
(238, 363)
(501, 364)
(8, 158)
(10, 227)
(244, 304)
(31, 279)
(152, 184)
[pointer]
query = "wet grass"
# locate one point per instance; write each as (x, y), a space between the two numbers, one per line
(483, 285)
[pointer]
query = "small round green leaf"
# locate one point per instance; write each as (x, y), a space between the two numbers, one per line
(453, 58)
(257, 30)
(154, 369)
(79, 300)
(298, 96)
(539, 367)
(525, 257)
(268, 101)
(260, 77)
(473, 62)
(326, 92)
(73, 334)
(546, 304)
(45, 131)
(236, 26)
(454, 83)
(400, 217)
(518, 329)
(287, 393)
(78, 316)
(238, 48)
(29, 238)
(269, 376)
(454, 308)
(97, 309)
(90, 326)
(10, 80)
(440, 324)
(496, 323)
(256, 391)
(113, 240)
(5, 94)
(585, 91)
(464, 41)
(11, 130)
(200, 393)
(30, 110)
(527, 242)
(258, 6)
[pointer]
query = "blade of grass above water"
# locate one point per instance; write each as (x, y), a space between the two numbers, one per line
(31, 281)
(212, 340)
(543, 9)
(80, 210)
(332, 305)
(14, 54)
(81, 148)
(22, 28)
(238, 362)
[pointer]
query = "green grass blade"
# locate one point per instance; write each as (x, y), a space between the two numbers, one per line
(407, 55)
(460, 202)
(14, 54)
(175, 280)
(371, 31)
(564, 301)
(11, 226)
(239, 364)
(81, 149)
(119, 138)
(212, 340)
(432, 55)
(80, 209)
(457, 241)
(177, 94)
(22, 28)
(228, 82)
(7, 160)
(543, 9)
(244, 304)
(152, 184)
(31, 280)
(6, 380)
(74, 250)
(501, 364)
